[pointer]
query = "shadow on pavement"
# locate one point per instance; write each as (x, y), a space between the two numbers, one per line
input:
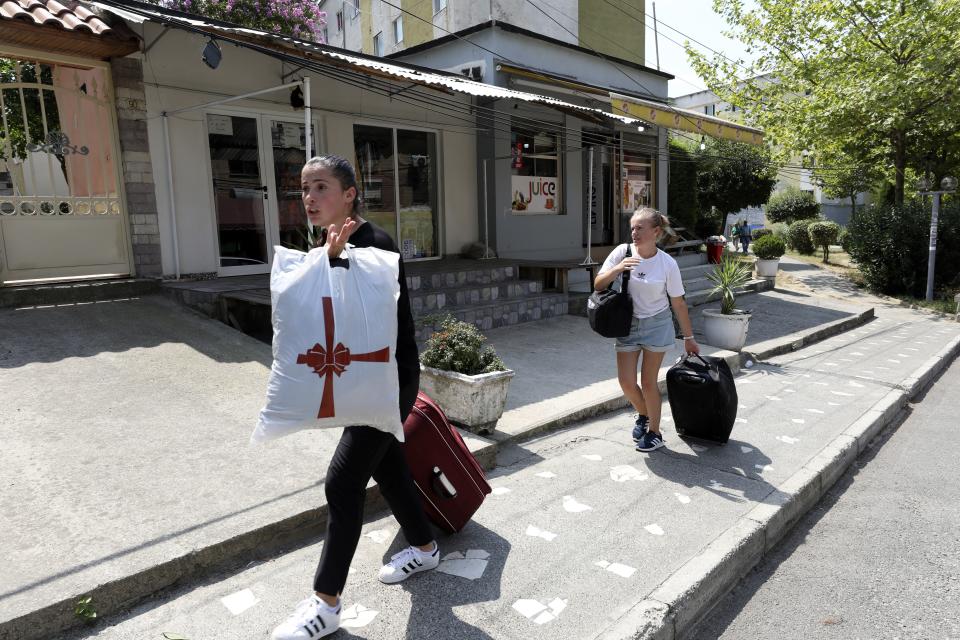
(674, 466)
(53, 334)
(433, 605)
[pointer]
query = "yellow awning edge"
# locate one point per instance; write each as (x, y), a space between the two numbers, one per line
(684, 120)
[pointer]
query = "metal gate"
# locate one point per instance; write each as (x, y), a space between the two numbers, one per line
(61, 211)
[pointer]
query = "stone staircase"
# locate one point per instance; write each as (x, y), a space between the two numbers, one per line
(76, 292)
(488, 294)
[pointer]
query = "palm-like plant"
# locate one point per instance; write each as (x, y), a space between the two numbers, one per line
(727, 277)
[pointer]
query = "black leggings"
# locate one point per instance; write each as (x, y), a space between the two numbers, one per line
(364, 452)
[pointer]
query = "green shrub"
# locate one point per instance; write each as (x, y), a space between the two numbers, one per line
(824, 233)
(890, 245)
(709, 223)
(780, 230)
(792, 205)
(769, 247)
(759, 233)
(799, 238)
(459, 346)
(844, 239)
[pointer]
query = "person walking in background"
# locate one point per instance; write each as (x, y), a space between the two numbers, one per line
(654, 286)
(735, 236)
(332, 203)
(744, 236)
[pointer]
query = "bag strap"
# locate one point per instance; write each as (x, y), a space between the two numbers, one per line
(625, 276)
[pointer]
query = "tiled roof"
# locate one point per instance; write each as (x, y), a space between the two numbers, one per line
(70, 16)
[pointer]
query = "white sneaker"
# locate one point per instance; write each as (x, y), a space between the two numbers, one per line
(310, 621)
(408, 562)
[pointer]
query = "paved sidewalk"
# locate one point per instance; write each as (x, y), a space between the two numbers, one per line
(126, 467)
(586, 538)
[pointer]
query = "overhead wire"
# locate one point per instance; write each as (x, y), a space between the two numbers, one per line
(449, 108)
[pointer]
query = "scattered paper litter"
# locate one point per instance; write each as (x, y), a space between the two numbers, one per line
(237, 603)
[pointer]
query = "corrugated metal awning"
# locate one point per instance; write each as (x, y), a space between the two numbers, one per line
(139, 13)
(684, 120)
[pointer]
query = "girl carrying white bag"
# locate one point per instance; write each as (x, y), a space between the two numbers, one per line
(334, 338)
(345, 354)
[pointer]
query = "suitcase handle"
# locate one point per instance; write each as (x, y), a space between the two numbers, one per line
(441, 485)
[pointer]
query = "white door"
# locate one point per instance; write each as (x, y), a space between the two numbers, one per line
(255, 163)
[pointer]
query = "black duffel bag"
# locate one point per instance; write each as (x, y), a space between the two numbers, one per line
(610, 311)
(703, 398)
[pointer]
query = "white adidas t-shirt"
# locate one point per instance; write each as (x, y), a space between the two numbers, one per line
(651, 281)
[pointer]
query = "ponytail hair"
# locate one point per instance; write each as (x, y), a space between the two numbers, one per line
(658, 220)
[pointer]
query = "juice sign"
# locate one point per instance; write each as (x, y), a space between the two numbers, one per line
(532, 194)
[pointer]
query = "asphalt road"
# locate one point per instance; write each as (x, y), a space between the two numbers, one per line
(879, 557)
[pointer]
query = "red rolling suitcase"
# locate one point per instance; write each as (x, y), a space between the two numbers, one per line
(450, 480)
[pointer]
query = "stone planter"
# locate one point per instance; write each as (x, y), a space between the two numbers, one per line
(474, 402)
(725, 331)
(768, 268)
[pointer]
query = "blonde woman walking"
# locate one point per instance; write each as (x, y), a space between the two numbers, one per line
(655, 286)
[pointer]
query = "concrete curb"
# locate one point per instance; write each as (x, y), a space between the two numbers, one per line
(226, 555)
(671, 610)
(800, 339)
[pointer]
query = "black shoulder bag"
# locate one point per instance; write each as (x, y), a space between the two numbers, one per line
(610, 311)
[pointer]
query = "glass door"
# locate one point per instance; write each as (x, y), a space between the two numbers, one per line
(240, 194)
(288, 153)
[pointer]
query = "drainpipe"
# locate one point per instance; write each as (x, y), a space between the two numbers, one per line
(306, 116)
(170, 196)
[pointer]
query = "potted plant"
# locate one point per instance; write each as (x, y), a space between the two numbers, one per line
(464, 376)
(768, 249)
(727, 328)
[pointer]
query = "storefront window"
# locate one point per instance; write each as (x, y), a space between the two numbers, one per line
(535, 169)
(636, 182)
(397, 171)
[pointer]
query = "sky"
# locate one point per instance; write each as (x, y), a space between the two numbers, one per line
(697, 20)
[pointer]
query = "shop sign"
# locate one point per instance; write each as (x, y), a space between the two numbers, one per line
(533, 194)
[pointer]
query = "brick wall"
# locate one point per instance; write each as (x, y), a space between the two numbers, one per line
(137, 168)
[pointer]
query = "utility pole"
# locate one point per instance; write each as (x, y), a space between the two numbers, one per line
(656, 40)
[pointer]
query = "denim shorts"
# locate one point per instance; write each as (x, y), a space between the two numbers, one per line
(655, 333)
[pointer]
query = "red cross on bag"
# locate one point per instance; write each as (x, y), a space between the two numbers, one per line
(328, 360)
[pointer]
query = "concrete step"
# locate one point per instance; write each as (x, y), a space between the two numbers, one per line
(501, 313)
(432, 300)
(48, 294)
(690, 259)
(696, 271)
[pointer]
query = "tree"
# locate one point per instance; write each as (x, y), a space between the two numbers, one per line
(682, 198)
(791, 205)
(734, 175)
(866, 75)
(289, 17)
(837, 173)
(824, 233)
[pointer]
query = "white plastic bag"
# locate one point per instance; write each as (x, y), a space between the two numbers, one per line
(334, 343)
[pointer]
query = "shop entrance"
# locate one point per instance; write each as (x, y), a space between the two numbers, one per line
(255, 163)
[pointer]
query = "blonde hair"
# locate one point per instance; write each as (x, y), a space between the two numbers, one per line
(658, 219)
